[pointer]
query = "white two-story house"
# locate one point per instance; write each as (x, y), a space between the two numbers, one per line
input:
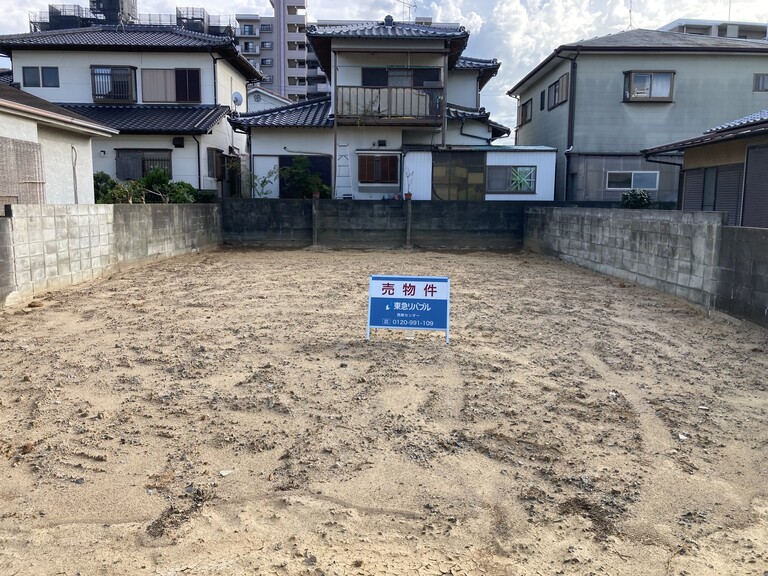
(166, 90)
(602, 101)
(404, 116)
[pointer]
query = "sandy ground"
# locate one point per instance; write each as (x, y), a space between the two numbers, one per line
(222, 413)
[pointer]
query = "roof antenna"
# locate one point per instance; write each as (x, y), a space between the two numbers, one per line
(631, 26)
(409, 5)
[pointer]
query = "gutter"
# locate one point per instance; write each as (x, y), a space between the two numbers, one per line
(461, 131)
(58, 120)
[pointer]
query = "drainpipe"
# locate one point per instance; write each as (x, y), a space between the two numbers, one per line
(74, 172)
(571, 114)
(444, 103)
(199, 161)
(215, 79)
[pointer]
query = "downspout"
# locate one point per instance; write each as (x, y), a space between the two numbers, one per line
(648, 158)
(199, 161)
(444, 103)
(571, 123)
(215, 78)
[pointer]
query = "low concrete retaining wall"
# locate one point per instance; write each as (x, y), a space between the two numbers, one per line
(382, 224)
(60, 245)
(742, 282)
(690, 254)
(7, 275)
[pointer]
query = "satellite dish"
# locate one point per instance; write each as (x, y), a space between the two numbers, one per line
(237, 99)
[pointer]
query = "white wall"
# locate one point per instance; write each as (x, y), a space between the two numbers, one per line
(462, 88)
(544, 161)
(18, 128)
(67, 164)
(75, 72)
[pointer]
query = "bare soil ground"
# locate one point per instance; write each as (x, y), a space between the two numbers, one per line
(222, 413)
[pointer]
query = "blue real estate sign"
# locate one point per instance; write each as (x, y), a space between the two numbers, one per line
(408, 303)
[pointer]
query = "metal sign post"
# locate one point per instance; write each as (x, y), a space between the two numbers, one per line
(409, 303)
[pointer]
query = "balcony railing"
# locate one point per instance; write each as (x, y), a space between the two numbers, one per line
(371, 105)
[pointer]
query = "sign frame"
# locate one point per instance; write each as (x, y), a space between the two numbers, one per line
(409, 303)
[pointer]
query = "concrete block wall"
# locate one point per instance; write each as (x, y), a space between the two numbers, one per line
(468, 225)
(378, 223)
(676, 252)
(52, 246)
(742, 282)
(267, 222)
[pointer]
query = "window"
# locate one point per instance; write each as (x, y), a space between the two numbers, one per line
(629, 180)
(134, 164)
(761, 83)
(542, 99)
(266, 45)
(458, 176)
(408, 77)
(247, 29)
(557, 92)
(113, 83)
(525, 112)
(267, 79)
(266, 27)
(648, 86)
(511, 179)
(249, 46)
(266, 61)
(178, 85)
(378, 169)
(216, 164)
(32, 75)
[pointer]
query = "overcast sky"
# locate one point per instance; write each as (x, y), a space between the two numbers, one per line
(519, 33)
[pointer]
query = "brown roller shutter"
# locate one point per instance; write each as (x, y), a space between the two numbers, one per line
(728, 191)
(755, 211)
(693, 190)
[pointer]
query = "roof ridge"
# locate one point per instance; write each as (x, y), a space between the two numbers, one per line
(293, 106)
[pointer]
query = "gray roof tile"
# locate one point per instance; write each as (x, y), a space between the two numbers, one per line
(130, 38)
(153, 119)
(6, 77)
(761, 116)
(486, 68)
(309, 114)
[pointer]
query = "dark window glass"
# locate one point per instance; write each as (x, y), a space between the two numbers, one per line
(50, 76)
(187, 85)
(375, 77)
(31, 76)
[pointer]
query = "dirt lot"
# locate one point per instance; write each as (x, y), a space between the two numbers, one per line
(222, 413)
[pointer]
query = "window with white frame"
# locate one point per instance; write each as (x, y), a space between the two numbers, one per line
(629, 180)
(525, 112)
(648, 86)
(511, 180)
(760, 83)
(557, 92)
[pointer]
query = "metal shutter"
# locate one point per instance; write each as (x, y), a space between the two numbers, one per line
(755, 211)
(728, 191)
(693, 189)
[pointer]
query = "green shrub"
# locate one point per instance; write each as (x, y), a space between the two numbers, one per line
(636, 198)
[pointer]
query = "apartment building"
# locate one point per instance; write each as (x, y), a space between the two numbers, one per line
(277, 45)
(722, 29)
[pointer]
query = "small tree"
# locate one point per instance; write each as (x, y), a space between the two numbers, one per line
(302, 181)
(636, 198)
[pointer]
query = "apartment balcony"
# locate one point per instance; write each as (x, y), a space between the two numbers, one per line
(295, 37)
(295, 54)
(389, 105)
(252, 32)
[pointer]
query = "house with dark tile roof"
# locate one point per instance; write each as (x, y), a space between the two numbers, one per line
(167, 91)
(404, 116)
(45, 151)
(602, 101)
(725, 169)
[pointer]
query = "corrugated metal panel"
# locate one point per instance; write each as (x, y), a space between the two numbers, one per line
(755, 211)
(728, 191)
(693, 189)
(417, 175)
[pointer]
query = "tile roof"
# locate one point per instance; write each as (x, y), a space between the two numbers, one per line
(130, 38)
(321, 37)
(153, 119)
(456, 112)
(18, 98)
(753, 125)
(487, 68)
(6, 77)
(310, 114)
(761, 116)
(646, 41)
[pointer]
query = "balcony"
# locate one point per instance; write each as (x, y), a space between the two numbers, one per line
(389, 105)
